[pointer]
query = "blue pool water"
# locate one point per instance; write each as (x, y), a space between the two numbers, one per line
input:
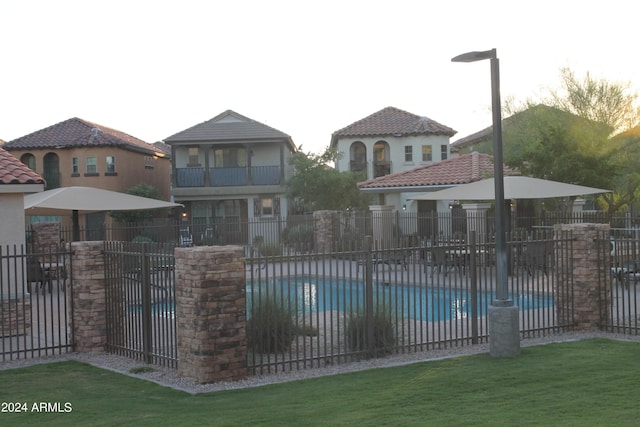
(426, 304)
(311, 295)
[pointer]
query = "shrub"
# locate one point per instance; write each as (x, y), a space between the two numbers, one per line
(270, 249)
(142, 239)
(383, 332)
(299, 237)
(271, 329)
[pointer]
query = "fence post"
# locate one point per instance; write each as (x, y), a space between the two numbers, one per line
(368, 243)
(146, 304)
(89, 320)
(211, 314)
(474, 288)
(587, 270)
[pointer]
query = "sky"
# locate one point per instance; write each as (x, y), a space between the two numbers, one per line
(154, 68)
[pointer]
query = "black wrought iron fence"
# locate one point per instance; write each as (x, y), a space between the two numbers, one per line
(620, 289)
(35, 313)
(310, 310)
(140, 301)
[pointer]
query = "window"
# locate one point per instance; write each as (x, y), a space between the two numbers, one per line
(111, 165)
(148, 162)
(29, 160)
(75, 166)
(92, 165)
(427, 153)
(194, 157)
(230, 157)
(408, 153)
(267, 207)
(443, 152)
(358, 161)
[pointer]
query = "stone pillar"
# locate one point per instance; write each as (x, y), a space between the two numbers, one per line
(211, 313)
(325, 225)
(45, 235)
(588, 269)
(89, 299)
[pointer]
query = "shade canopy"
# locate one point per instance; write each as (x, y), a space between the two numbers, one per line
(65, 200)
(515, 187)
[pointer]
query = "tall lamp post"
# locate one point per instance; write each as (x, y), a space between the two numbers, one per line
(504, 334)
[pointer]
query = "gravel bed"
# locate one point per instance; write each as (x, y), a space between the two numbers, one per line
(169, 377)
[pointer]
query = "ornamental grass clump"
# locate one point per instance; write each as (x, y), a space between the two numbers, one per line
(271, 328)
(384, 339)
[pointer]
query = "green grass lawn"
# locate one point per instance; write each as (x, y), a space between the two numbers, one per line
(588, 383)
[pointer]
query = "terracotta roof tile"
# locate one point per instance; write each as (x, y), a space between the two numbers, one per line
(76, 132)
(391, 121)
(13, 171)
(456, 170)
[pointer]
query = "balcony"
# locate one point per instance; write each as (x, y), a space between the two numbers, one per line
(381, 169)
(228, 177)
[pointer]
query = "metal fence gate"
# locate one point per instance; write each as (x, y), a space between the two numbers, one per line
(140, 301)
(35, 312)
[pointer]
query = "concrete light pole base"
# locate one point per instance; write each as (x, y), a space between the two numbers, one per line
(504, 332)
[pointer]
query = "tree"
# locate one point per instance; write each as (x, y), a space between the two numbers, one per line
(317, 186)
(142, 190)
(609, 103)
(570, 139)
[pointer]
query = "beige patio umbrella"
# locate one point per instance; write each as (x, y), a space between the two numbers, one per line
(515, 187)
(81, 200)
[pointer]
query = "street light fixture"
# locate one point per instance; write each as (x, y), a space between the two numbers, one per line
(504, 336)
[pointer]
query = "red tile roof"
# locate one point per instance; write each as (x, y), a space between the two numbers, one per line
(391, 121)
(76, 132)
(456, 170)
(13, 171)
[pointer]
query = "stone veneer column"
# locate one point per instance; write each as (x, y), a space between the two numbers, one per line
(325, 224)
(588, 269)
(211, 313)
(89, 300)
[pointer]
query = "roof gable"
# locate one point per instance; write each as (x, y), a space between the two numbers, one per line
(13, 171)
(76, 132)
(391, 121)
(456, 170)
(230, 126)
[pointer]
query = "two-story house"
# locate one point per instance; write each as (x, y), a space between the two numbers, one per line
(77, 152)
(228, 172)
(390, 141)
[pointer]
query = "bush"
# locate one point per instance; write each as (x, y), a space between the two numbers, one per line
(271, 329)
(270, 249)
(383, 332)
(299, 237)
(142, 239)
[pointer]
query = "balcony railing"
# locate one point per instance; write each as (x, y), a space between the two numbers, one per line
(190, 177)
(227, 177)
(381, 169)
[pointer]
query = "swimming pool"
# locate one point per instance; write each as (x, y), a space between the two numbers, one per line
(310, 295)
(314, 295)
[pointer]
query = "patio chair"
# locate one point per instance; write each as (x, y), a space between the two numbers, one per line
(439, 260)
(394, 257)
(535, 257)
(36, 273)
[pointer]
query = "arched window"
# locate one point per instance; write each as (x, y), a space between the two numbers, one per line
(358, 157)
(51, 170)
(381, 161)
(29, 160)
